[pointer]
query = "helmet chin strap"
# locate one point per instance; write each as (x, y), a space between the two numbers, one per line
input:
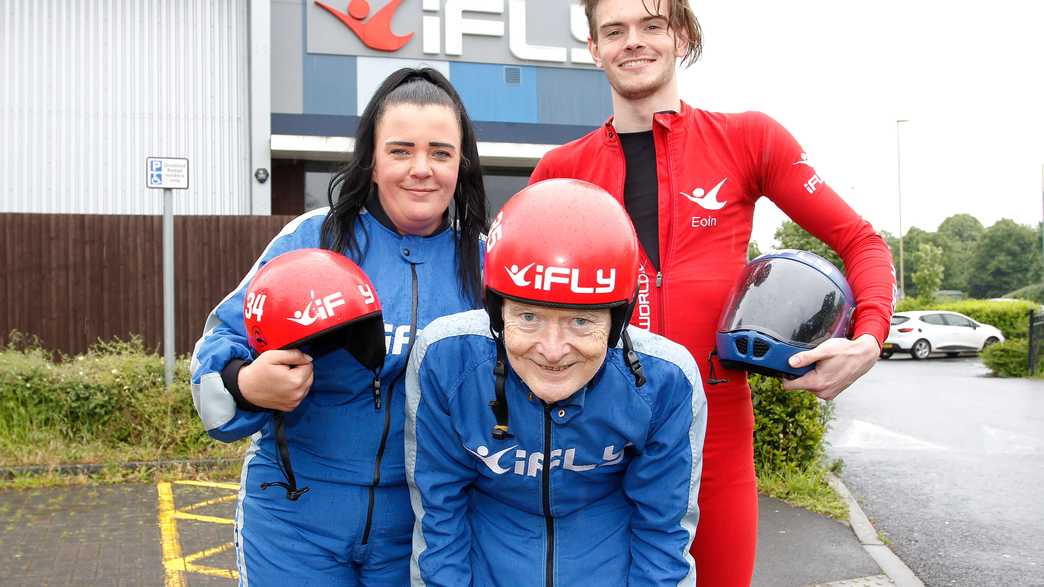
(499, 404)
(712, 379)
(293, 493)
(632, 359)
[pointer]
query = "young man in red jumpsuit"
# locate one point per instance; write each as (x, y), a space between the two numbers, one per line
(689, 180)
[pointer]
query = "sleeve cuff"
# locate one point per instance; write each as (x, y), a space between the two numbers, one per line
(230, 377)
(872, 332)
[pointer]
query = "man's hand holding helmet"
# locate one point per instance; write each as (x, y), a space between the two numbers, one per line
(839, 362)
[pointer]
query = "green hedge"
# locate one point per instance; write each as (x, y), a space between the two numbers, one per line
(1012, 318)
(788, 426)
(1008, 358)
(111, 405)
(1033, 293)
(108, 402)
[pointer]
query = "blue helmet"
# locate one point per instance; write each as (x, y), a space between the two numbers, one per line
(783, 303)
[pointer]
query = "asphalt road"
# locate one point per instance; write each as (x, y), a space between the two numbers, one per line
(948, 463)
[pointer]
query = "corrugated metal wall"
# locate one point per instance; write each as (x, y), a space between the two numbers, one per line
(89, 89)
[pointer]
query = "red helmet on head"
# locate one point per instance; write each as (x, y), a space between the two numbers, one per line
(562, 242)
(316, 298)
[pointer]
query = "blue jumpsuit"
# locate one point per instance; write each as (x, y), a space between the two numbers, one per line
(597, 489)
(354, 524)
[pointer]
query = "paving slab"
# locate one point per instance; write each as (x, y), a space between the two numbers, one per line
(179, 534)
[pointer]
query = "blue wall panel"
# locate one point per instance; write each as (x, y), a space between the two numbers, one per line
(329, 84)
(572, 96)
(489, 97)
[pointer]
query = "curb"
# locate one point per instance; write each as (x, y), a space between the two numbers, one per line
(7, 473)
(890, 564)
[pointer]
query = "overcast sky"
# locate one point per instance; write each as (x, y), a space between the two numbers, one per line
(968, 75)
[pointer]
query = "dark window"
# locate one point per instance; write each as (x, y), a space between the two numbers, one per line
(955, 320)
(512, 75)
(501, 184)
(899, 320)
(934, 319)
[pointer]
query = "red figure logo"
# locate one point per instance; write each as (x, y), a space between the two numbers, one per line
(376, 33)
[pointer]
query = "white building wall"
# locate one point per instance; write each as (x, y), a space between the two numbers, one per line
(90, 88)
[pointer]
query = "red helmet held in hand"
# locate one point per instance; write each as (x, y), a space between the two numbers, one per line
(318, 301)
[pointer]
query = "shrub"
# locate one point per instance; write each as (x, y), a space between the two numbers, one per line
(1033, 293)
(112, 397)
(1008, 358)
(788, 426)
(1012, 318)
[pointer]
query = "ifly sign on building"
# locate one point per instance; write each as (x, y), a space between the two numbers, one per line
(517, 32)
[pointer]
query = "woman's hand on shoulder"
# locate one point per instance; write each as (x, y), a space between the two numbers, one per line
(277, 380)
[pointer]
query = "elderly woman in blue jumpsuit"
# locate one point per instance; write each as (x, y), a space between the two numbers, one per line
(539, 451)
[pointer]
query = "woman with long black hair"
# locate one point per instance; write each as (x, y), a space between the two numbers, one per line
(345, 517)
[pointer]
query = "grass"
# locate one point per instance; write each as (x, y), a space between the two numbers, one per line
(47, 450)
(804, 488)
(116, 473)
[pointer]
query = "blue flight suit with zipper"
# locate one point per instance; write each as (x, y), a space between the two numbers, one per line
(597, 489)
(353, 525)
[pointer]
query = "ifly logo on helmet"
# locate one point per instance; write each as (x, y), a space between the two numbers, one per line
(318, 309)
(544, 278)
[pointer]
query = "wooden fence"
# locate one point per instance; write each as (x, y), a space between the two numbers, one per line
(71, 279)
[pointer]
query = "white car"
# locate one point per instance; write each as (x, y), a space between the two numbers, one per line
(923, 332)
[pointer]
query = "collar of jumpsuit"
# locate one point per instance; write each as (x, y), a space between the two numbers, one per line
(566, 409)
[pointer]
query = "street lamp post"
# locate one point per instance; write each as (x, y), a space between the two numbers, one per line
(899, 190)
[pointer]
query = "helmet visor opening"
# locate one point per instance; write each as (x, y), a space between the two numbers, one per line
(788, 301)
(362, 337)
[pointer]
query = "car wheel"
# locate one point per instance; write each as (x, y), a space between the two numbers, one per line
(921, 349)
(887, 354)
(990, 341)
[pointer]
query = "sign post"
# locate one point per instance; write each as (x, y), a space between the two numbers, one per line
(167, 174)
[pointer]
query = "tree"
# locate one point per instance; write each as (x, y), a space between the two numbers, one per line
(790, 235)
(1007, 257)
(959, 234)
(963, 228)
(753, 250)
(912, 241)
(929, 271)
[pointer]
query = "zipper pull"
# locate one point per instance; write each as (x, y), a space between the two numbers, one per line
(659, 278)
(377, 393)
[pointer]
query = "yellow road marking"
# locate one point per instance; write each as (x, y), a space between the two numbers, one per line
(169, 537)
(210, 571)
(208, 502)
(176, 565)
(208, 552)
(214, 484)
(183, 515)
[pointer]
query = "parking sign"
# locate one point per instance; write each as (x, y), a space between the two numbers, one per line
(166, 173)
